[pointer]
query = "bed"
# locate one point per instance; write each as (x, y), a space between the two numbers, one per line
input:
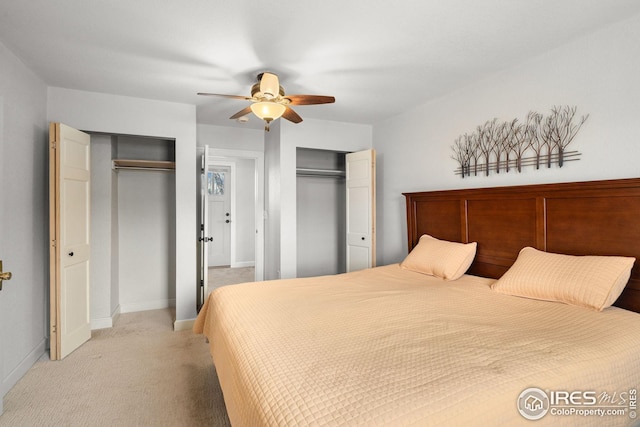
(394, 346)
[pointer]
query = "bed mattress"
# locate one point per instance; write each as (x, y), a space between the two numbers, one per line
(387, 346)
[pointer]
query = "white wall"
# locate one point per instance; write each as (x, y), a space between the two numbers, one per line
(321, 226)
(597, 73)
(146, 221)
(101, 232)
(24, 234)
(133, 116)
(281, 162)
(115, 240)
(272, 229)
(230, 138)
(244, 215)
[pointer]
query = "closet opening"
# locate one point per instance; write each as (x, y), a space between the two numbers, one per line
(133, 225)
(320, 212)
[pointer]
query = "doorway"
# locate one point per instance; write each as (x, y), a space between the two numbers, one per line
(240, 175)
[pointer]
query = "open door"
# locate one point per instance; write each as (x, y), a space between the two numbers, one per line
(69, 224)
(361, 209)
(204, 238)
(2, 249)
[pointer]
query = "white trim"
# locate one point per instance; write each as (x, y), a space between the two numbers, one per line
(101, 323)
(183, 325)
(106, 322)
(132, 307)
(240, 264)
(116, 314)
(19, 371)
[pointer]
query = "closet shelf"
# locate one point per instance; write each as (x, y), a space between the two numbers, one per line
(320, 172)
(149, 165)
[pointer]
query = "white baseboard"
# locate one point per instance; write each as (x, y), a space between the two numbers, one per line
(183, 325)
(101, 323)
(131, 307)
(115, 315)
(239, 264)
(106, 322)
(18, 372)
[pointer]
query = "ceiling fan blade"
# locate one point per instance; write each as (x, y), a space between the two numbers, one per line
(310, 99)
(225, 96)
(269, 85)
(291, 115)
(241, 113)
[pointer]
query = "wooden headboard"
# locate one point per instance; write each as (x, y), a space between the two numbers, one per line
(579, 218)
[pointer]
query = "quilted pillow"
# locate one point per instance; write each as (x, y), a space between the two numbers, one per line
(440, 258)
(589, 281)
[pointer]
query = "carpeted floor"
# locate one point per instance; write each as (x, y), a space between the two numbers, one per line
(230, 276)
(138, 373)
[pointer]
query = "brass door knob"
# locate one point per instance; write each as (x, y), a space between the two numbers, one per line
(3, 276)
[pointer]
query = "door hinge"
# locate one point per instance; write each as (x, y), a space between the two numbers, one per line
(53, 329)
(54, 243)
(201, 282)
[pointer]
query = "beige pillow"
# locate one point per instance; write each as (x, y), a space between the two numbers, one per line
(440, 258)
(589, 281)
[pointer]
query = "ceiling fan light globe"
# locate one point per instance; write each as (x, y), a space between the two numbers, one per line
(269, 85)
(268, 110)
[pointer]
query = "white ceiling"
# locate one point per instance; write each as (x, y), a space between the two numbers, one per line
(378, 58)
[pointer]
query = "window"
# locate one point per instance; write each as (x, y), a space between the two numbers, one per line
(215, 183)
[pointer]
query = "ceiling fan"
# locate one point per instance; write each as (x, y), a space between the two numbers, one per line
(269, 101)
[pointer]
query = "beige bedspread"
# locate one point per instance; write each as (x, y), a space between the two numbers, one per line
(387, 346)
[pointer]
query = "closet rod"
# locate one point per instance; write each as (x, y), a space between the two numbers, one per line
(311, 175)
(130, 168)
(329, 173)
(143, 165)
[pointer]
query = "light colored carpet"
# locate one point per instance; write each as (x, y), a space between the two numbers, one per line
(230, 276)
(138, 373)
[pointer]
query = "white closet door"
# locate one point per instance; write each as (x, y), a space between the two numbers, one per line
(361, 210)
(70, 215)
(3, 254)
